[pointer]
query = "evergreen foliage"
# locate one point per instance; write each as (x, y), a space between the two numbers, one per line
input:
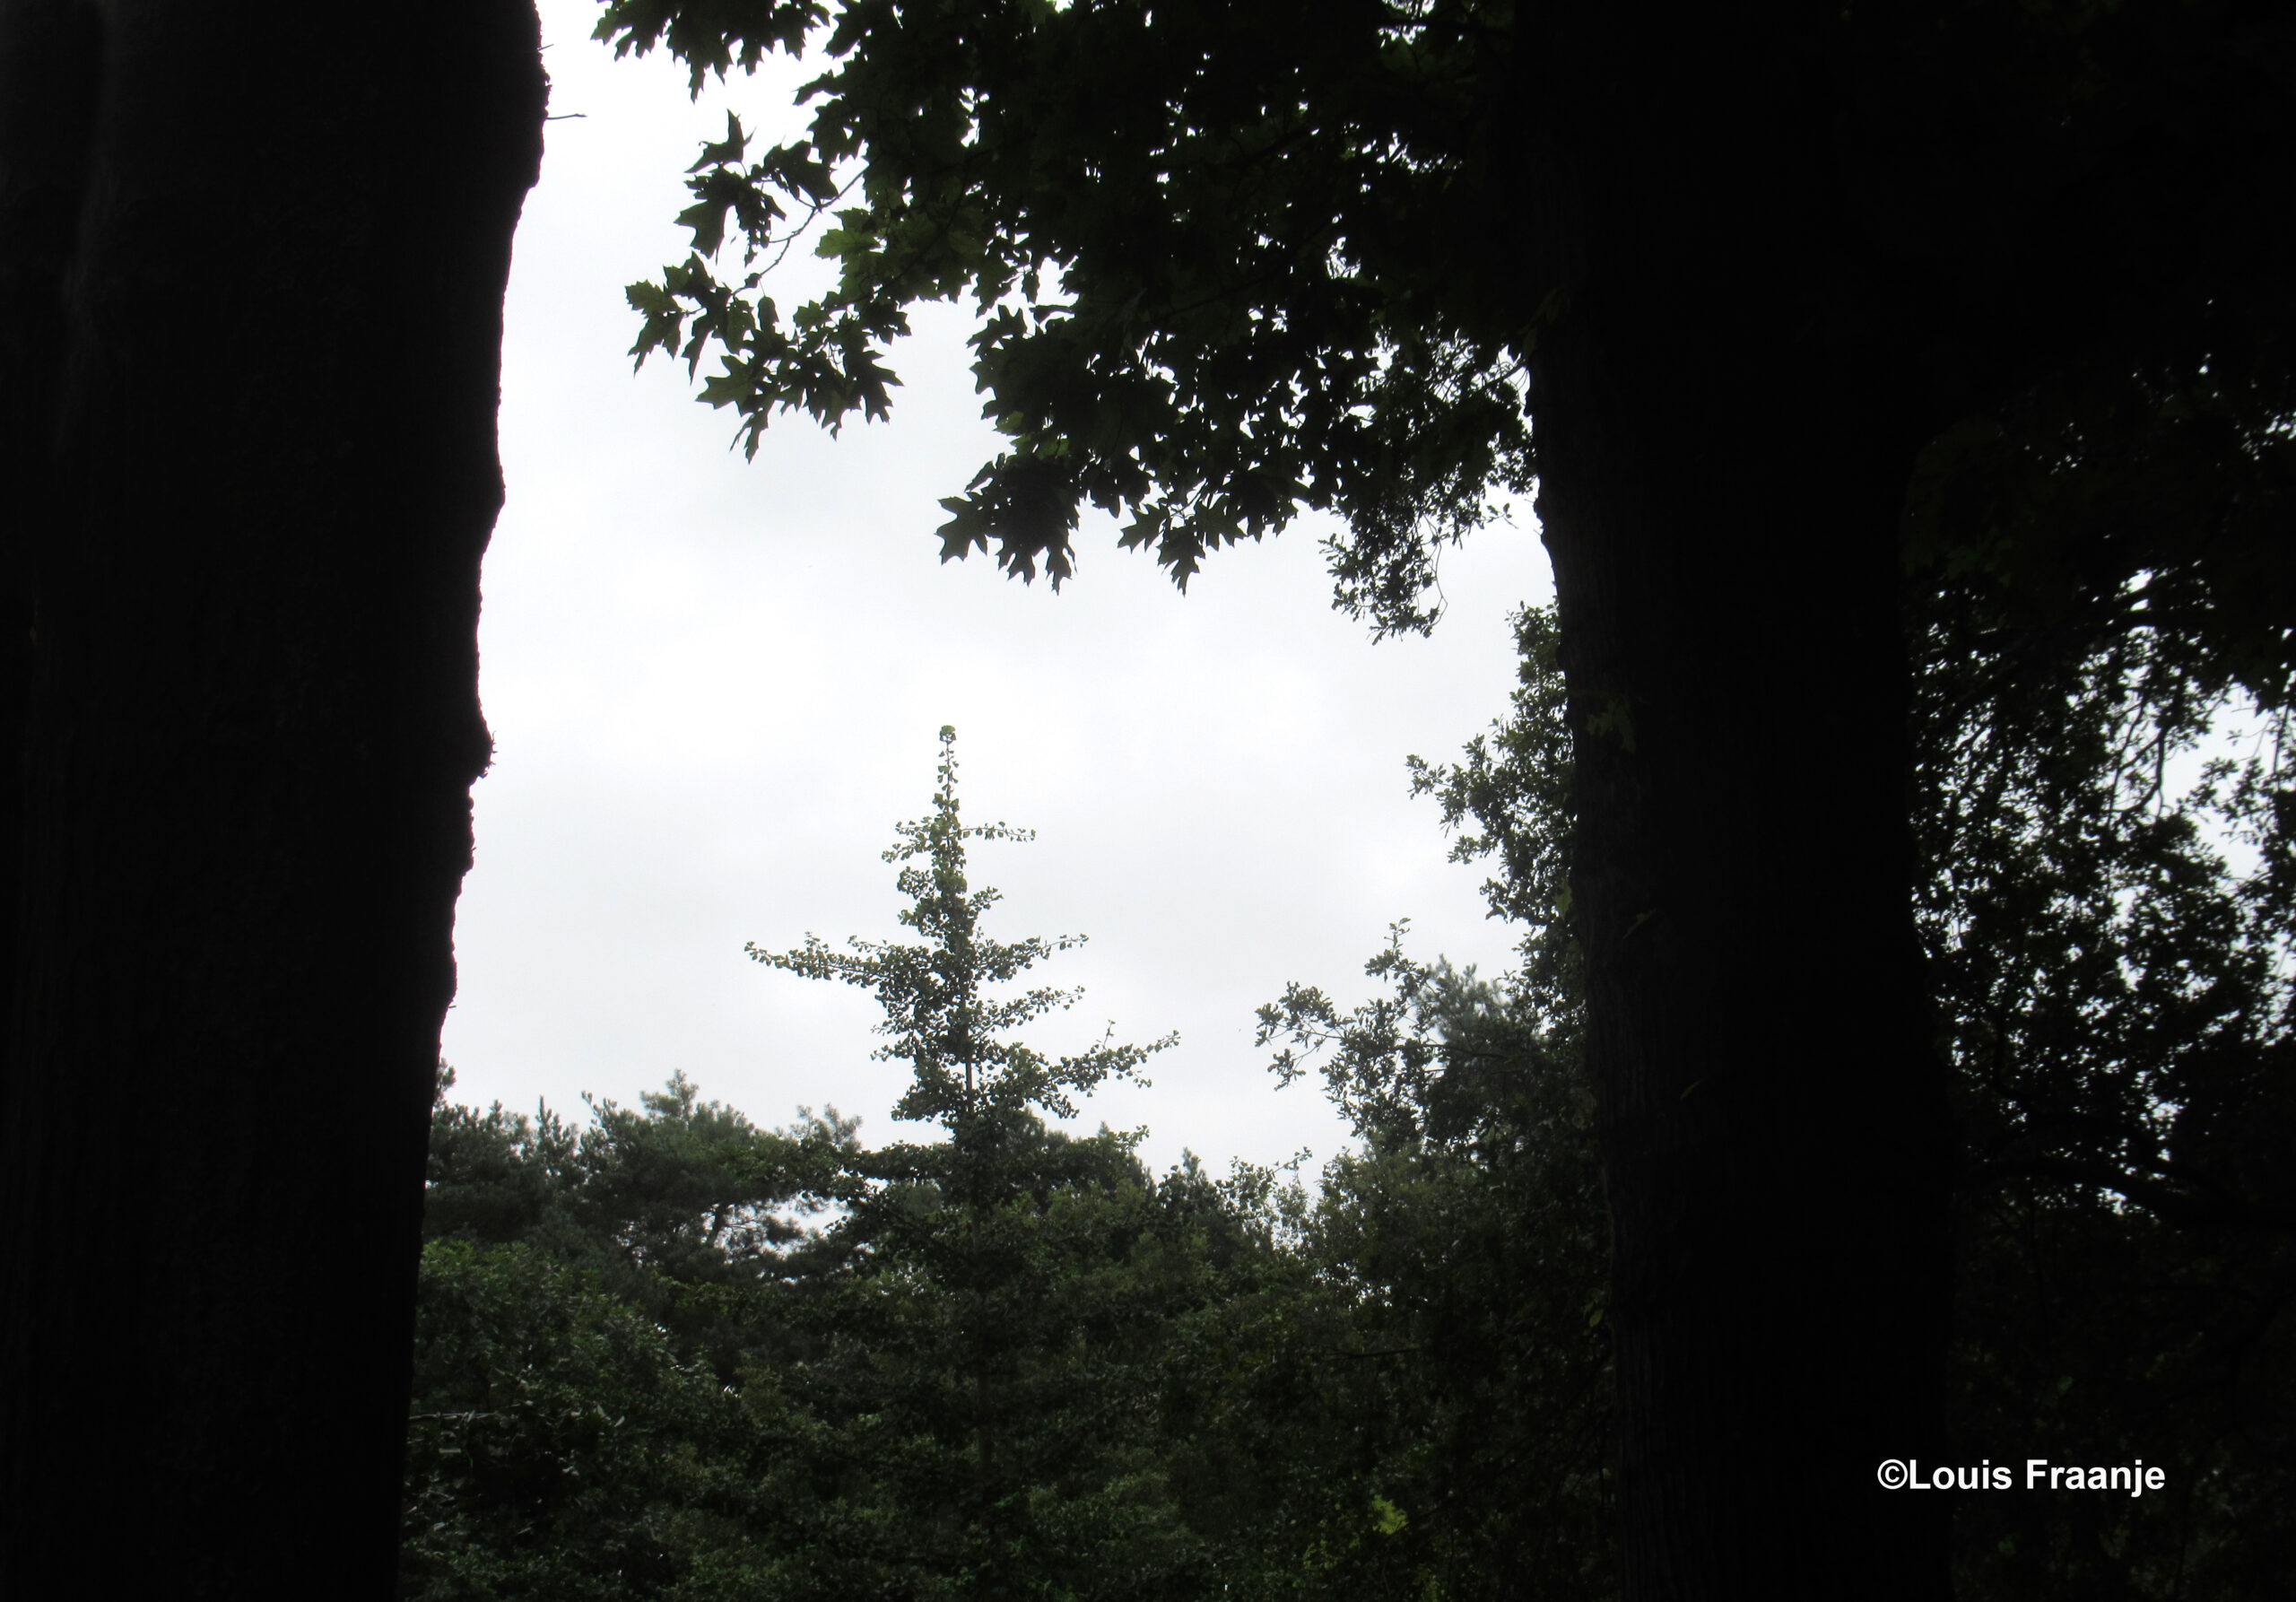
(940, 1014)
(941, 1369)
(675, 1354)
(559, 1444)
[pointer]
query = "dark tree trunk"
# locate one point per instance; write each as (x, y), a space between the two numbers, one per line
(1725, 434)
(252, 256)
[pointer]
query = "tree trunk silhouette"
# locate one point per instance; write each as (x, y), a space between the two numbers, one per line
(1724, 437)
(252, 259)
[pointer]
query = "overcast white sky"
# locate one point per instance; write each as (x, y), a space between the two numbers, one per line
(715, 685)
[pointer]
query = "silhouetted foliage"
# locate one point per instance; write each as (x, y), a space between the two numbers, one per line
(2106, 899)
(2006, 283)
(2107, 906)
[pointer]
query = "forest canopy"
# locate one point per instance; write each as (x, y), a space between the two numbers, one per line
(1896, 801)
(672, 1353)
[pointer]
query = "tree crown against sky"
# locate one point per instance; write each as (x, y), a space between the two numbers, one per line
(1231, 263)
(943, 1015)
(1206, 247)
(953, 1386)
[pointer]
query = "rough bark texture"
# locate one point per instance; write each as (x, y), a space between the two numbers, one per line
(1724, 442)
(252, 256)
